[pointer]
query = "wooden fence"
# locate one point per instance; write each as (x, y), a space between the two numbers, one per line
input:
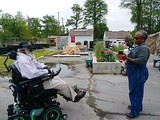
(153, 42)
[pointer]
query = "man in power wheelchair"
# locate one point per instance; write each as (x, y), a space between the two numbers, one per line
(34, 88)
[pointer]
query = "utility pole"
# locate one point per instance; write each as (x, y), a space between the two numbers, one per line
(58, 17)
(62, 26)
(62, 21)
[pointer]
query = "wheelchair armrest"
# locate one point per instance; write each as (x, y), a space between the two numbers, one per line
(37, 79)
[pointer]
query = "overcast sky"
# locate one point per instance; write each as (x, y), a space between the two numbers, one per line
(117, 18)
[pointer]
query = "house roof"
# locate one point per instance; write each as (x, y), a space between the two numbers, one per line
(117, 34)
(52, 36)
(81, 32)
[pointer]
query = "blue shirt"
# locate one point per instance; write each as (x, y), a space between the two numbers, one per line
(137, 70)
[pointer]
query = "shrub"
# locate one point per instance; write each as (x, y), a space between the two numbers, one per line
(103, 55)
(117, 48)
(98, 47)
(107, 56)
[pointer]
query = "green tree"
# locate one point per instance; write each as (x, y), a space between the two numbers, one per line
(34, 26)
(151, 18)
(5, 36)
(94, 13)
(7, 21)
(136, 10)
(50, 26)
(145, 14)
(13, 28)
(100, 29)
(77, 17)
(20, 29)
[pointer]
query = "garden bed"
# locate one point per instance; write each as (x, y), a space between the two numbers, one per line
(105, 67)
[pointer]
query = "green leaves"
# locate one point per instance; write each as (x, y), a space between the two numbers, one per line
(98, 47)
(50, 26)
(145, 13)
(103, 55)
(94, 11)
(77, 17)
(16, 28)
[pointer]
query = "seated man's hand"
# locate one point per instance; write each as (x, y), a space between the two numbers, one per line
(49, 70)
(52, 72)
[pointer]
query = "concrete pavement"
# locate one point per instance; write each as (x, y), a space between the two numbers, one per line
(107, 94)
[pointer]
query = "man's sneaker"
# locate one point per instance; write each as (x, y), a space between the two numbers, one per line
(75, 88)
(79, 96)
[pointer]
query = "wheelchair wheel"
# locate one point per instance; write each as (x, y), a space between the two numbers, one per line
(10, 110)
(52, 113)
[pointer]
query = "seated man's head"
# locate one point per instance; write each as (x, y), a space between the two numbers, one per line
(25, 47)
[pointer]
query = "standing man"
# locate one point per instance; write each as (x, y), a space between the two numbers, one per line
(137, 73)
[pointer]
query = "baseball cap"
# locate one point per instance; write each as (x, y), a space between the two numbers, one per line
(23, 44)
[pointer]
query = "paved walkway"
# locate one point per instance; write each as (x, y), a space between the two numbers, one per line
(107, 94)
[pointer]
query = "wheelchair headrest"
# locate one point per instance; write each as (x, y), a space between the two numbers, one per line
(12, 55)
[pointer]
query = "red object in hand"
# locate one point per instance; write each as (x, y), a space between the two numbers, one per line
(120, 57)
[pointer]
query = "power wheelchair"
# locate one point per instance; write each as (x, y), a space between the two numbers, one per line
(31, 101)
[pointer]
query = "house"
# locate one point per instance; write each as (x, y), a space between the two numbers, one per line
(81, 36)
(115, 38)
(61, 42)
(52, 40)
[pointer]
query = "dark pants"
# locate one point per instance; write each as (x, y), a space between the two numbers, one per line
(136, 90)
